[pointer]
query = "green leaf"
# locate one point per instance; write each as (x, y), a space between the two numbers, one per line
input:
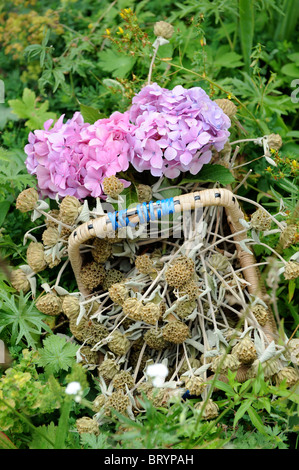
(30, 109)
(4, 208)
(38, 440)
(265, 403)
(225, 387)
(169, 191)
(228, 59)
(211, 174)
(246, 15)
(256, 420)
(90, 114)
(119, 65)
(291, 70)
(130, 196)
(22, 318)
(291, 289)
(5, 442)
(242, 410)
(57, 354)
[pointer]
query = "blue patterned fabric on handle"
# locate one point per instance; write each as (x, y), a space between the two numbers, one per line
(145, 212)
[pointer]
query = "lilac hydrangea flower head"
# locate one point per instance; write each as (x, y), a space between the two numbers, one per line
(175, 130)
(73, 158)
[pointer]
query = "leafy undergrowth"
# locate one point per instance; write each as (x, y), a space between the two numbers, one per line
(76, 57)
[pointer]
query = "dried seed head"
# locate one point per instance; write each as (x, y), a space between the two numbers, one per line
(144, 264)
(270, 367)
(112, 186)
(134, 356)
(225, 362)
(92, 308)
(49, 222)
(219, 262)
(65, 233)
(291, 270)
(87, 425)
(163, 29)
(274, 141)
(158, 396)
(289, 374)
(150, 313)
(50, 236)
(180, 272)
(88, 331)
(260, 313)
(144, 388)
(155, 340)
(52, 263)
(260, 220)
(101, 250)
(185, 308)
(118, 293)
(69, 210)
(144, 193)
(36, 257)
(132, 307)
(88, 356)
(98, 403)
(92, 275)
(245, 351)
(117, 401)
(195, 385)
(176, 332)
(108, 369)
(121, 379)
(191, 289)
(227, 106)
(194, 363)
(292, 350)
(49, 304)
(19, 281)
(71, 306)
(113, 276)
(26, 200)
(210, 410)
(288, 236)
(119, 343)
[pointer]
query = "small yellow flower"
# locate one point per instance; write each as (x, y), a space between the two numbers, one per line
(108, 32)
(120, 30)
(229, 97)
(295, 164)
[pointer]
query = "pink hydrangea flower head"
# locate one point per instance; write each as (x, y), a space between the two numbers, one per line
(175, 130)
(74, 157)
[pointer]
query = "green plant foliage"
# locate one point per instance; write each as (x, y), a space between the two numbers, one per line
(22, 394)
(29, 109)
(57, 354)
(20, 317)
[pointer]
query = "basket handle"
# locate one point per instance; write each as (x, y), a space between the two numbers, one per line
(104, 226)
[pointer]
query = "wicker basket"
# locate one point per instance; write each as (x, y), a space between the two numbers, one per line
(106, 225)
